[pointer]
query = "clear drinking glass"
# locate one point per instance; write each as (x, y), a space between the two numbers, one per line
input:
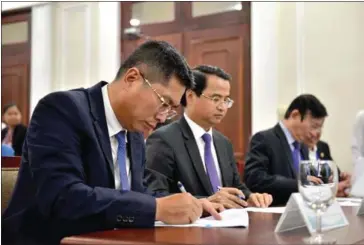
(318, 183)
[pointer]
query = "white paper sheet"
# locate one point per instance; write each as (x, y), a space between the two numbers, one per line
(349, 201)
(230, 218)
(276, 210)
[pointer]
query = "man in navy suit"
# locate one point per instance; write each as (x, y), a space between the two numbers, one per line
(273, 157)
(83, 157)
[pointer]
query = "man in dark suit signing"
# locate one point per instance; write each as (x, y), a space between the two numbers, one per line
(83, 160)
(316, 149)
(273, 157)
(190, 151)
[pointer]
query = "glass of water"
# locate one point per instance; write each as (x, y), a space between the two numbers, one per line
(318, 183)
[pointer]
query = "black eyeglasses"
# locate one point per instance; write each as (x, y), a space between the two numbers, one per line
(218, 100)
(165, 108)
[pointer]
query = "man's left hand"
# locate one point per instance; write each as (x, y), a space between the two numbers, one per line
(211, 208)
(260, 200)
(344, 185)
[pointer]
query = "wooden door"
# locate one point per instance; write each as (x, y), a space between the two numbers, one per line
(15, 66)
(128, 46)
(224, 47)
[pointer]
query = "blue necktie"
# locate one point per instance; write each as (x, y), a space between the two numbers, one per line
(121, 159)
(210, 165)
(296, 156)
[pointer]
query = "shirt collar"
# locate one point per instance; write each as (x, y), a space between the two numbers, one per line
(313, 150)
(113, 125)
(197, 130)
(288, 134)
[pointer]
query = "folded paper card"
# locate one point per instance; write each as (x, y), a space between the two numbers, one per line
(297, 214)
(230, 218)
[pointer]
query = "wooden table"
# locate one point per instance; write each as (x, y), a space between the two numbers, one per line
(260, 231)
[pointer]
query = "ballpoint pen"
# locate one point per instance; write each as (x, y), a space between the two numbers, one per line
(181, 187)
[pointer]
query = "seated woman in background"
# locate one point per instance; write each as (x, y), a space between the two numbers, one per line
(14, 134)
(357, 146)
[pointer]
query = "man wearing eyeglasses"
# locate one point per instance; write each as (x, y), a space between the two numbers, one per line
(189, 155)
(83, 158)
(273, 158)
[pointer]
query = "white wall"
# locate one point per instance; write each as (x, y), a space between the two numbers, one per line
(264, 64)
(320, 51)
(74, 44)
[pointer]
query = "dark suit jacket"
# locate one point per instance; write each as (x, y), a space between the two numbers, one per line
(173, 155)
(18, 138)
(269, 165)
(323, 153)
(66, 184)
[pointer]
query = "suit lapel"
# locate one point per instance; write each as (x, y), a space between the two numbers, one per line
(195, 156)
(285, 146)
(304, 152)
(100, 125)
(222, 158)
(321, 151)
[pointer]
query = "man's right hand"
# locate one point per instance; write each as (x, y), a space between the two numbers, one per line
(180, 208)
(228, 197)
(314, 180)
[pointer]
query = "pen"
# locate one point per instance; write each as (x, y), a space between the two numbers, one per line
(181, 187)
(240, 196)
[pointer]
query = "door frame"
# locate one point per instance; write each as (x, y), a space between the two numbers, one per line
(23, 49)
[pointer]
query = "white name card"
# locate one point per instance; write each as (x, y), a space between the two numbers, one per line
(297, 214)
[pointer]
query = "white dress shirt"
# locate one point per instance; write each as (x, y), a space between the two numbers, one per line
(198, 132)
(357, 147)
(114, 128)
(312, 154)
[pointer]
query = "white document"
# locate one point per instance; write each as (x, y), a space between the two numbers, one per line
(298, 214)
(349, 201)
(273, 210)
(230, 218)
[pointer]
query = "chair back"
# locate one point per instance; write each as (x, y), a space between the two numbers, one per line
(9, 174)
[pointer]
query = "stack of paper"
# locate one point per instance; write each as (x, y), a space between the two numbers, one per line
(230, 218)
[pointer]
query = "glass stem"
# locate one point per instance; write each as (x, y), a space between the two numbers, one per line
(318, 223)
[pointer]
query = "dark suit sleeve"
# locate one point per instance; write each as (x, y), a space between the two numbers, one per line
(54, 141)
(160, 165)
(237, 183)
(18, 143)
(151, 175)
(257, 174)
(3, 133)
(326, 149)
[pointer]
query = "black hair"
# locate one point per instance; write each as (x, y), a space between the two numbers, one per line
(8, 106)
(161, 60)
(307, 103)
(199, 74)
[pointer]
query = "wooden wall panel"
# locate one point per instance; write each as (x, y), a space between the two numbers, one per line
(223, 47)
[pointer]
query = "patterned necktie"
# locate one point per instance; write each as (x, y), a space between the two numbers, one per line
(296, 156)
(210, 165)
(121, 159)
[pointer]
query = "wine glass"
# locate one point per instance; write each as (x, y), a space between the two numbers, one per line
(318, 183)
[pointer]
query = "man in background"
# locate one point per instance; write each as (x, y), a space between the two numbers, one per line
(189, 155)
(273, 157)
(357, 147)
(316, 149)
